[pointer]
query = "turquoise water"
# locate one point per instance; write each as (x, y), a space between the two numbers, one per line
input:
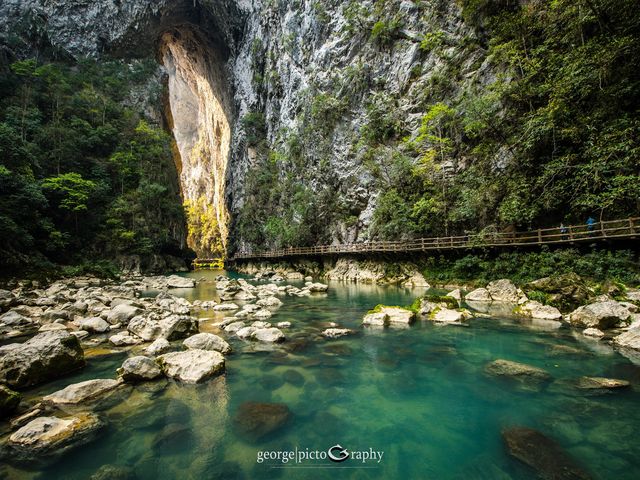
(418, 394)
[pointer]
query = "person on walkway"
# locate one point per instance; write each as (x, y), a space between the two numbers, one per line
(590, 224)
(563, 231)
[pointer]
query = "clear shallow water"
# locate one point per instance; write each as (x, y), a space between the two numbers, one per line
(418, 394)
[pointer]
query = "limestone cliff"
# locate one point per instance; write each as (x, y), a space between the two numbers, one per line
(274, 91)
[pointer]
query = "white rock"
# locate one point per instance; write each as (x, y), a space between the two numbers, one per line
(593, 332)
(207, 341)
(159, 346)
(176, 281)
(94, 324)
(268, 335)
(445, 315)
(601, 315)
(122, 314)
(378, 319)
(478, 295)
(336, 332)
(144, 328)
(138, 369)
(82, 392)
(191, 366)
(225, 306)
(535, 309)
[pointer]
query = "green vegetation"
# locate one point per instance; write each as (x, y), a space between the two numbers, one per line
(553, 138)
(523, 267)
(83, 178)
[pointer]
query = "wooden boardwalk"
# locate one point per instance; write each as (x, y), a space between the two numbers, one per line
(599, 231)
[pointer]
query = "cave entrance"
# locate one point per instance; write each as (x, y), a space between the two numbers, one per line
(197, 107)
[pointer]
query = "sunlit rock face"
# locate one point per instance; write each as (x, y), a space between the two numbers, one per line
(200, 126)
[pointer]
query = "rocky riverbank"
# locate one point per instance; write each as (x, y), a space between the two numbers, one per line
(50, 331)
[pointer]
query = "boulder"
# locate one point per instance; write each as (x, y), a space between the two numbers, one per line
(93, 324)
(255, 421)
(9, 401)
(158, 347)
(225, 307)
(455, 294)
(316, 287)
(478, 295)
(398, 314)
(245, 333)
(445, 315)
(243, 295)
(207, 341)
(537, 310)
(379, 319)
(416, 280)
(336, 332)
(176, 281)
(601, 383)
(262, 313)
(192, 366)
(563, 291)
(233, 327)
(629, 339)
(14, 319)
(542, 454)
(82, 392)
(44, 438)
(7, 299)
(269, 302)
(600, 315)
(44, 357)
(145, 328)
(122, 314)
(593, 332)
(124, 338)
(506, 292)
(175, 327)
(268, 335)
(139, 369)
(515, 370)
(283, 324)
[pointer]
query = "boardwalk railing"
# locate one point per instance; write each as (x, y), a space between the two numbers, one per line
(611, 229)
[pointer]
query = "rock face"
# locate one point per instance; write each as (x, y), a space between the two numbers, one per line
(9, 401)
(192, 366)
(518, 371)
(207, 341)
(82, 392)
(139, 369)
(47, 437)
(46, 356)
(600, 315)
(542, 454)
(255, 421)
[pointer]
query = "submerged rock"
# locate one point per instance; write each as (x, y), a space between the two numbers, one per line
(192, 366)
(593, 332)
(601, 315)
(255, 420)
(519, 371)
(336, 332)
(207, 341)
(9, 401)
(601, 383)
(114, 472)
(139, 369)
(82, 392)
(46, 356)
(45, 438)
(542, 454)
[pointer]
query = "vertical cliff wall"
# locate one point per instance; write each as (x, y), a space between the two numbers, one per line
(198, 102)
